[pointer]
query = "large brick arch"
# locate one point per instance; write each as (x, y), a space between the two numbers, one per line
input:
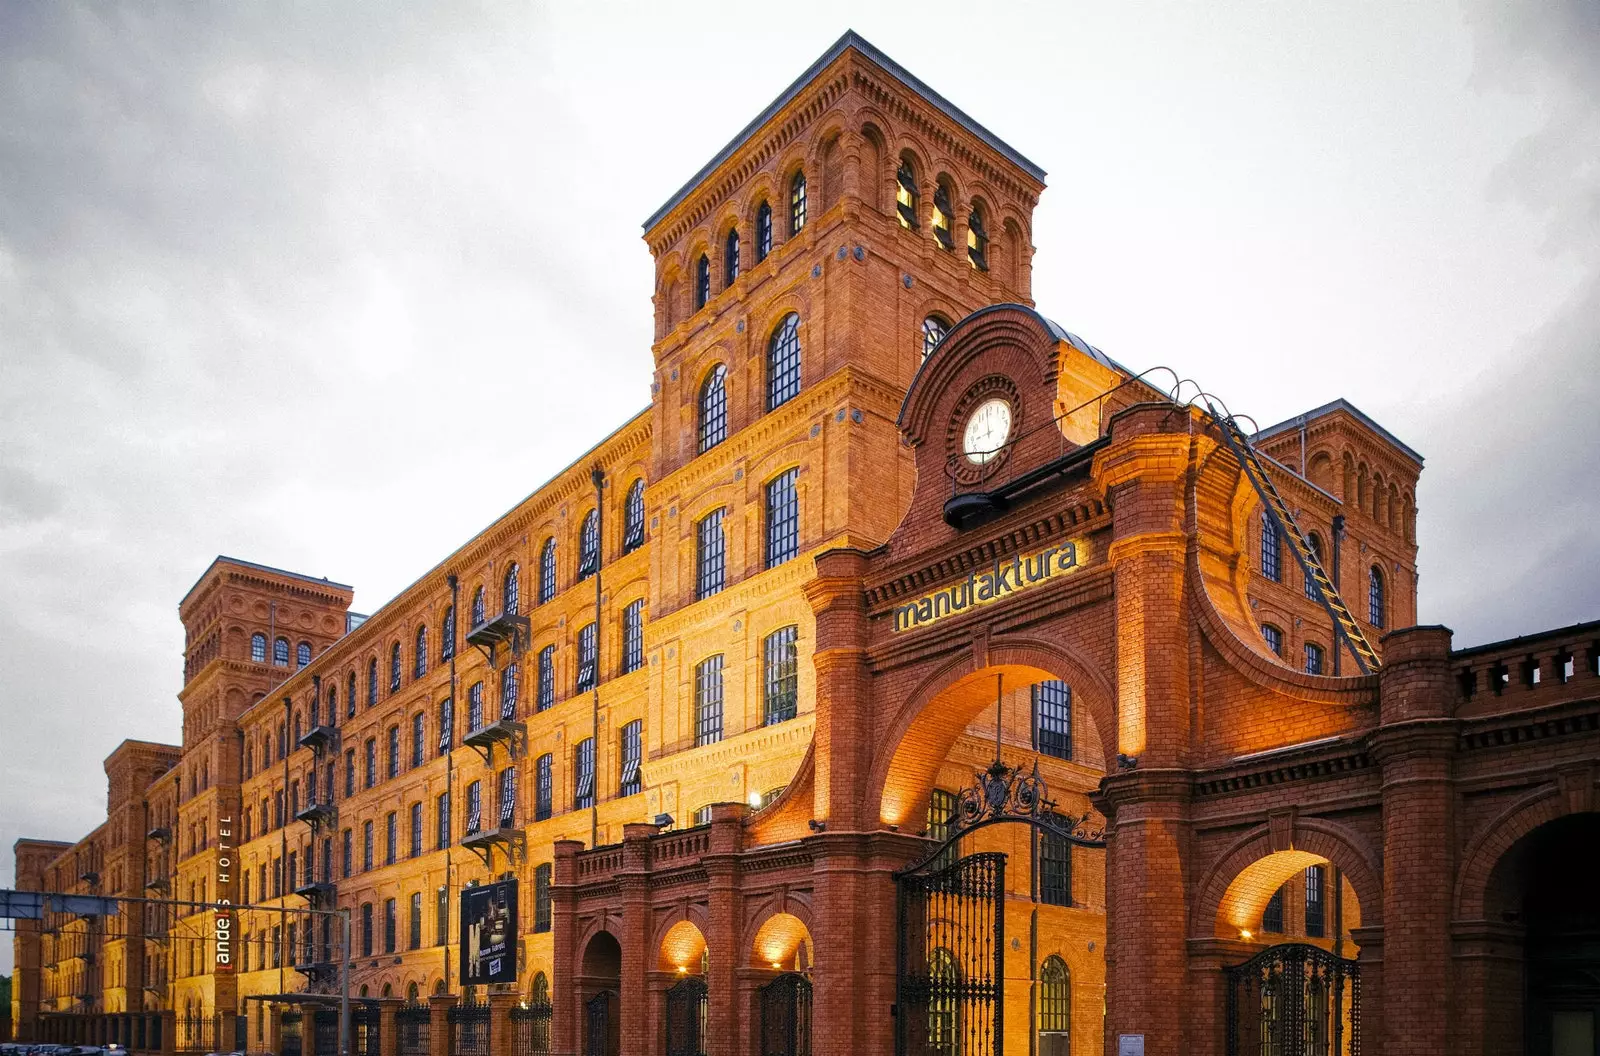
(927, 723)
(1340, 845)
(1487, 847)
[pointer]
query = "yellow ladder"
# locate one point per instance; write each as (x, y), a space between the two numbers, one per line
(1345, 627)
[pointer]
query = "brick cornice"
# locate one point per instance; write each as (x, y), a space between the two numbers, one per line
(1415, 739)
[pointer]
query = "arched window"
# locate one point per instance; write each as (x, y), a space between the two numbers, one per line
(783, 362)
(547, 571)
(372, 682)
(1055, 1006)
(1314, 541)
(350, 696)
(510, 591)
(589, 546)
(730, 258)
(540, 994)
(933, 331)
(419, 663)
(1271, 565)
(478, 613)
(941, 216)
(280, 652)
(302, 654)
(633, 518)
(447, 635)
(1314, 660)
(258, 648)
(1375, 596)
(714, 408)
(333, 704)
(977, 241)
(413, 991)
(1274, 638)
(702, 281)
(797, 203)
(394, 667)
(905, 195)
(763, 232)
(944, 984)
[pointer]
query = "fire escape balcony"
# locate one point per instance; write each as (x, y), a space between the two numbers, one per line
(317, 892)
(318, 815)
(507, 729)
(161, 833)
(320, 737)
(90, 877)
(508, 837)
(508, 628)
(318, 973)
(157, 884)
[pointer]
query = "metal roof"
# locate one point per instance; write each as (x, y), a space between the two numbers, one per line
(851, 39)
(1341, 404)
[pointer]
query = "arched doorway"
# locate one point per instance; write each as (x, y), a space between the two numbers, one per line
(599, 984)
(780, 961)
(686, 1000)
(1546, 884)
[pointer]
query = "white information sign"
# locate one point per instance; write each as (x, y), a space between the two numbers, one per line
(1130, 1045)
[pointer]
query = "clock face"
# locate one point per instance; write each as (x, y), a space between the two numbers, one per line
(987, 430)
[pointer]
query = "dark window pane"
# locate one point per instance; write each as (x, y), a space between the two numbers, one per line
(797, 203)
(1052, 718)
(547, 571)
(1271, 565)
(547, 677)
(589, 546)
(587, 658)
(631, 752)
(783, 519)
(702, 281)
(583, 765)
(783, 362)
(633, 636)
(633, 518)
(780, 675)
(710, 555)
(763, 232)
(708, 701)
(714, 408)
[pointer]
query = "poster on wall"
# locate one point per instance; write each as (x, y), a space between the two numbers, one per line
(489, 934)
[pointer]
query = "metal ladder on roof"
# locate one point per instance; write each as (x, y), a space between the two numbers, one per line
(1345, 627)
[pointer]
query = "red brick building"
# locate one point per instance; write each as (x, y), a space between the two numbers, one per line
(977, 704)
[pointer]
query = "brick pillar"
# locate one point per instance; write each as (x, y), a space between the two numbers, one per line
(634, 935)
(388, 1026)
(169, 1033)
(440, 1039)
(1370, 958)
(842, 744)
(566, 1004)
(723, 932)
(500, 1006)
(274, 1014)
(227, 1026)
(1414, 744)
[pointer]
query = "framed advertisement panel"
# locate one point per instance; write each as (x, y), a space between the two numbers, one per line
(489, 934)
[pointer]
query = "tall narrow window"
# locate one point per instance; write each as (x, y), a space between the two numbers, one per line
(447, 724)
(333, 703)
(783, 519)
(1271, 565)
(1052, 718)
(630, 749)
(511, 591)
(1316, 915)
(419, 737)
(541, 897)
(730, 258)
(366, 929)
(474, 807)
(708, 701)
(633, 636)
(1314, 658)
(441, 806)
(1272, 916)
(447, 636)
(416, 830)
(633, 518)
(589, 546)
(371, 774)
(905, 195)
(414, 924)
(763, 232)
(1375, 596)
(366, 845)
(389, 923)
(543, 787)
(508, 797)
(941, 216)
(587, 658)
(1274, 638)
(941, 813)
(258, 648)
(797, 203)
(1314, 541)
(583, 772)
(280, 652)
(710, 555)
(977, 242)
(479, 613)
(714, 408)
(933, 331)
(1055, 1006)
(302, 654)
(372, 682)
(349, 772)
(393, 758)
(783, 362)
(510, 681)
(1055, 869)
(780, 675)
(419, 662)
(475, 707)
(547, 678)
(547, 571)
(347, 852)
(441, 918)
(391, 842)
(702, 281)
(394, 667)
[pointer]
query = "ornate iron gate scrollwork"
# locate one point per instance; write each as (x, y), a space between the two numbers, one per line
(597, 1025)
(1294, 999)
(687, 1006)
(786, 1016)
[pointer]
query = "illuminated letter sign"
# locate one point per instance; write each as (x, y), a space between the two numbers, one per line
(1004, 578)
(223, 923)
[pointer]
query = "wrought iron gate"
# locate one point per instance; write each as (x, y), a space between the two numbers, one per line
(952, 951)
(1294, 999)
(469, 1027)
(686, 1018)
(324, 1030)
(786, 1016)
(414, 1021)
(597, 1030)
(530, 1030)
(289, 1034)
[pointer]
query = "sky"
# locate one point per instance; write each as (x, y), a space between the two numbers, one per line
(273, 276)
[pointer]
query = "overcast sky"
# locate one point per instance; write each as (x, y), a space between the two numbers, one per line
(271, 274)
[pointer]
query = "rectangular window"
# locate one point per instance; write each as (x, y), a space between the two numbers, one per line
(442, 807)
(941, 813)
(702, 815)
(1316, 916)
(1272, 917)
(441, 917)
(510, 686)
(508, 797)
(710, 556)
(1313, 658)
(349, 773)
(447, 724)
(1055, 869)
(416, 830)
(277, 814)
(394, 751)
(474, 807)
(391, 846)
(372, 762)
(418, 737)
(543, 781)
(783, 519)
(547, 677)
(586, 658)
(1052, 719)
(389, 927)
(366, 845)
(708, 701)
(415, 924)
(780, 669)
(630, 750)
(1271, 566)
(277, 946)
(366, 929)
(475, 707)
(633, 636)
(583, 769)
(1314, 542)
(541, 898)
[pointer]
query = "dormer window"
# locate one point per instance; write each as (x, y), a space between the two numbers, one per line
(797, 203)
(763, 232)
(905, 196)
(702, 282)
(730, 258)
(941, 216)
(977, 242)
